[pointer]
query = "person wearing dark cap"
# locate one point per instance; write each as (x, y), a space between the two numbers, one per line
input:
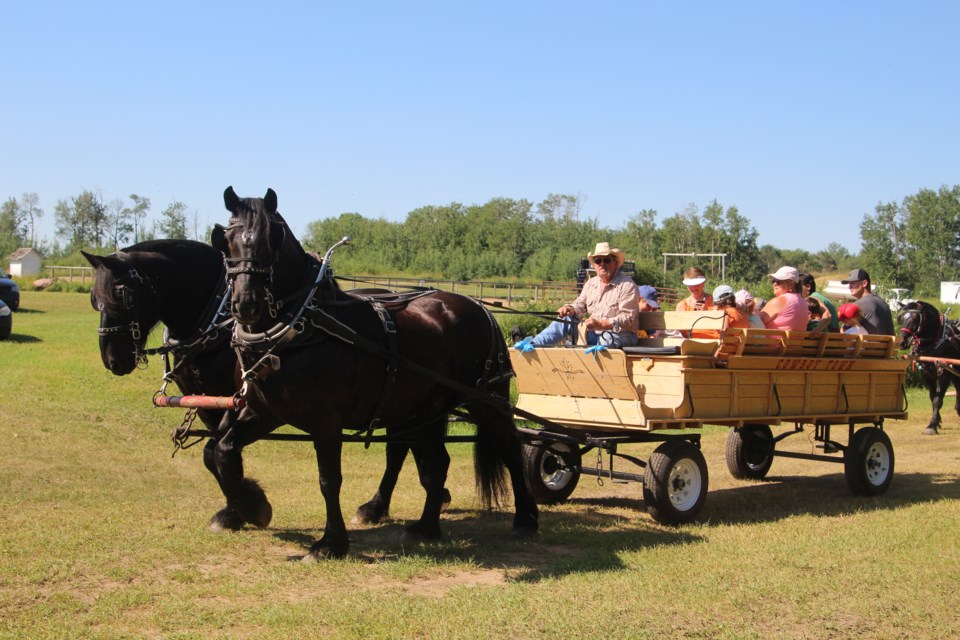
(648, 298)
(875, 315)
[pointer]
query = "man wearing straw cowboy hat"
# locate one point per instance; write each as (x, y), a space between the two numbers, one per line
(610, 300)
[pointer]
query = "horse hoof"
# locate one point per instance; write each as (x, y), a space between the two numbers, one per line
(417, 533)
(226, 520)
(369, 513)
(523, 533)
(324, 550)
(931, 431)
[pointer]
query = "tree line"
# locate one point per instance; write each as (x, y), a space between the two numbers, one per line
(506, 238)
(916, 243)
(913, 244)
(87, 221)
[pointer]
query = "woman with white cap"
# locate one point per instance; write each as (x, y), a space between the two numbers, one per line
(694, 279)
(787, 309)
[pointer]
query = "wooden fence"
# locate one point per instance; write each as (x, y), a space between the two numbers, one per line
(501, 291)
(71, 274)
(505, 291)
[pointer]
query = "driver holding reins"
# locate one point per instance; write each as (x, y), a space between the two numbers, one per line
(609, 302)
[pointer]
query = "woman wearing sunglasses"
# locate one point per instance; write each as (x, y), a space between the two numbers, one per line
(787, 309)
(609, 302)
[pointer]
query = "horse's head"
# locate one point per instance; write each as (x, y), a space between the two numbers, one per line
(128, 308)
(251, 244)
(918, 322)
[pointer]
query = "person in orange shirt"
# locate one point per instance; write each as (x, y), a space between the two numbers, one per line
(724, 300)
(695, 279)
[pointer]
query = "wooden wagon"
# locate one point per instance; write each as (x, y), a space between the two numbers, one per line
(667, 388)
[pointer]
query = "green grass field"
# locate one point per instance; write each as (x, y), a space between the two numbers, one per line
(104, 534)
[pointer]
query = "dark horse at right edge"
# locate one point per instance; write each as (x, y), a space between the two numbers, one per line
(927, 333)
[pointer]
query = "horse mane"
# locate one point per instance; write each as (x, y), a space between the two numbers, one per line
(144, 257)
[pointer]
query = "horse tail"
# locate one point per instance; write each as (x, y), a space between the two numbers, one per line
(488, 462)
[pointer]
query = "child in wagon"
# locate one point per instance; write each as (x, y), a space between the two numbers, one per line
(816, 313)
(849, 315)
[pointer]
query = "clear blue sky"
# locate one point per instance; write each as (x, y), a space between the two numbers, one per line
(804, 115)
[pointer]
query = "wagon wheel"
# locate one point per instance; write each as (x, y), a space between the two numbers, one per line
(551, 471)
(675, 482)
(868, 462)
(750, 451)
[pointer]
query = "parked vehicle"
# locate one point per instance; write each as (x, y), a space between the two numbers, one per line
(6, 321)
(9, 291)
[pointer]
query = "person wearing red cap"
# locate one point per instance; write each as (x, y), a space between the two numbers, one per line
(875, 315)
(849, 315)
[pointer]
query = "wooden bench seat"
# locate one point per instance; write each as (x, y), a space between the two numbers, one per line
(803, 344)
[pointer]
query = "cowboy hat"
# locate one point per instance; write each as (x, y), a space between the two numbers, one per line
(603, 249)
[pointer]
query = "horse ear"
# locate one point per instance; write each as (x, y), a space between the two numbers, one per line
(95, 261)
(270, 201)
(116, 262)
(218, 238)
(230, 200)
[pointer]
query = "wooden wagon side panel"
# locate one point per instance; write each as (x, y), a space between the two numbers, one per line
(572, 372)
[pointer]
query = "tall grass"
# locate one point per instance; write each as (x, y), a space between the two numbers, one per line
(103, 534)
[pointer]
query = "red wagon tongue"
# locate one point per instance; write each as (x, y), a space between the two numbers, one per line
(200, 402)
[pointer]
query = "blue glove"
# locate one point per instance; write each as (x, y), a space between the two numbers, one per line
(595, 349)
(525, 345)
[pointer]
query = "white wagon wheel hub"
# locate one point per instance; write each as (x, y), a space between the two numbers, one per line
(878, 463)
(685, 484)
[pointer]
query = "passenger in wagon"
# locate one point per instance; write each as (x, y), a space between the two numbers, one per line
(648, 298)
(747, 304)
(648, 301)
(875, 315)
(609, 302)
(787, 309)
(828, 320)
(816, 314)
(694, 279)
(849, 315)
(725, 300)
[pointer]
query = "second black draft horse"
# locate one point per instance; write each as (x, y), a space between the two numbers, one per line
(182, 283)
(321, 360)
(927, 332)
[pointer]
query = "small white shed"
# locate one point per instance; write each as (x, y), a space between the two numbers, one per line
(950, 292)
(24, 262)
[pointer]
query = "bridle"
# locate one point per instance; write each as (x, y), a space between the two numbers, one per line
(916, 335)
(250, 265)
(126, 292)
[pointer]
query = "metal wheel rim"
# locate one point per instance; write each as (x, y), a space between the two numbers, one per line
(877, 464)
(684, 485)
(552, 472)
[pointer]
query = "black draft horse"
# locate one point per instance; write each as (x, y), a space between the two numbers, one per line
(926, 332)
(181, 283)
(351, 362)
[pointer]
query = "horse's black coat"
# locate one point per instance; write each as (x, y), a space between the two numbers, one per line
(175, 282)
(926, 332)
(323, 386)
